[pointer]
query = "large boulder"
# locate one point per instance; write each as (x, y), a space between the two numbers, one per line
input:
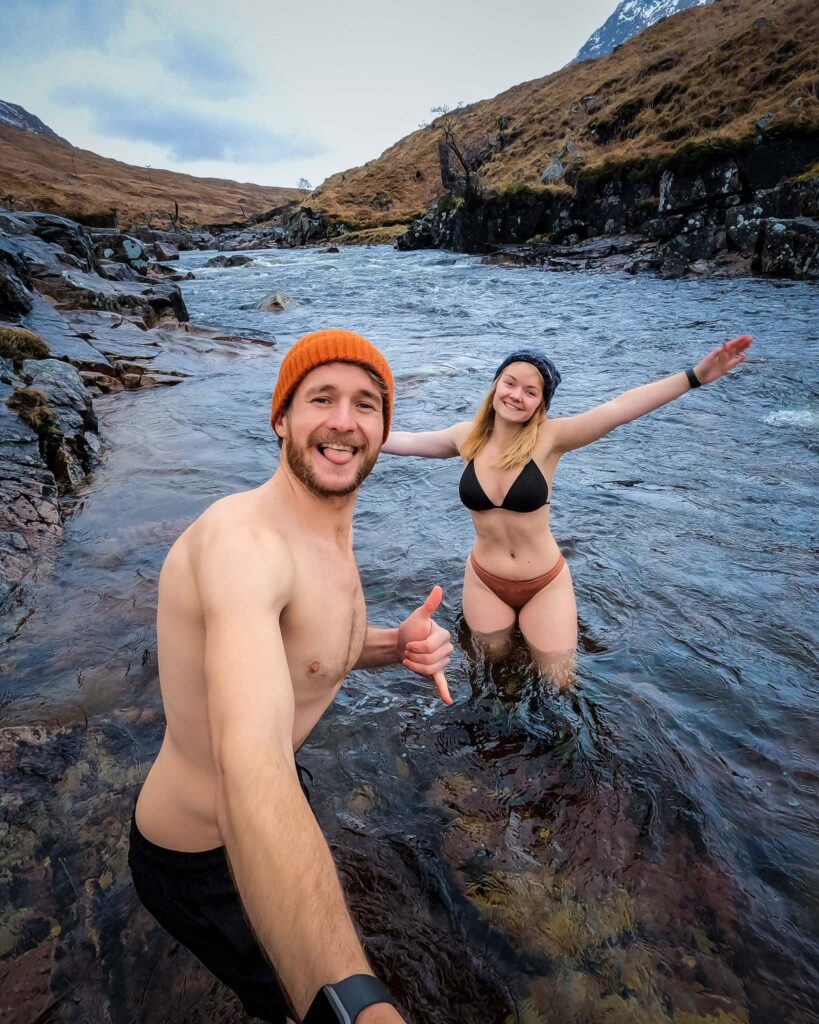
(118, 248)
(163, 252)
(304, 226)
(75, 289)
(275, 302)
(790, 248)
(119, 271)
(60, 231)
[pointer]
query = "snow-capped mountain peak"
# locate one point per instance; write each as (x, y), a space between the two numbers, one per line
(18, 117)
(629, 19)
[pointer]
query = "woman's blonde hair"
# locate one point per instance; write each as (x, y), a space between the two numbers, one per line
(521, 448)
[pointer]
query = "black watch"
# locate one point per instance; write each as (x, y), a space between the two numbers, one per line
(341, 1003)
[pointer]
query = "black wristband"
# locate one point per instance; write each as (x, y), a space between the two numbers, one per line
(692, 378)
(343, 1002)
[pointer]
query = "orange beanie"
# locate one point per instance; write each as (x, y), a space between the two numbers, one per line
(334, 346)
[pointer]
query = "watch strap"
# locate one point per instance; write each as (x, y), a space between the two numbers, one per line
(345, 1000)
(692, 378)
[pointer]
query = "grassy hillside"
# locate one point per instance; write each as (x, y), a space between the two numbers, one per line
(37, 173)
(706, 75)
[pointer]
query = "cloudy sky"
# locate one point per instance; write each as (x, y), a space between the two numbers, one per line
(263, 91)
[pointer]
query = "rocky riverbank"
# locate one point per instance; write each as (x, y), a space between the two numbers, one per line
(753, 211)
(83, 312)
(706, 211)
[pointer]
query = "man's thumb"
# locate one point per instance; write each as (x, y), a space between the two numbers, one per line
(430, 606)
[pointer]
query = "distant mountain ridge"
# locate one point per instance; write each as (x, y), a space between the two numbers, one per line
(711, 77)
(629, 19)
(18, 117)
(41, 171)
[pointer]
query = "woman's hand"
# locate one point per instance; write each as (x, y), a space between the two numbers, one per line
(723, 359)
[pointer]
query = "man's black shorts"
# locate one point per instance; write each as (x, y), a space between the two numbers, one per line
(193, 897)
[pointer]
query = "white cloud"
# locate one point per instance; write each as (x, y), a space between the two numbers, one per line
(184, 132)
(332, 86)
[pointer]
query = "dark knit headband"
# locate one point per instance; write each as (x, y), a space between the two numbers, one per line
(545, 367)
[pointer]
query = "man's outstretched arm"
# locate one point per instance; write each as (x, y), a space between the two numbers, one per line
(280, 860)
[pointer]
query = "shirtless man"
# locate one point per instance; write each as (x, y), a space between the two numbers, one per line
(261, 616)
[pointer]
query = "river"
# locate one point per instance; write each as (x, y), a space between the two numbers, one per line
(642, 849)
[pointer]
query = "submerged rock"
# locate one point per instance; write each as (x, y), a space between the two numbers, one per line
(229, 261)
(276, 302)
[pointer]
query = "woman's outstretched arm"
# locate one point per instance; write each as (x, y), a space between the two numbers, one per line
(430, 444)
(577, 431)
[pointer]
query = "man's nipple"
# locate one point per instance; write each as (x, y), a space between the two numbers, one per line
(314, 667)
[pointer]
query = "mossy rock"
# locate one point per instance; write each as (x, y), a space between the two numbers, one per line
(32, 406)
(18, 343)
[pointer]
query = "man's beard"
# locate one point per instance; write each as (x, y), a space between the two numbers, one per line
(297, 457)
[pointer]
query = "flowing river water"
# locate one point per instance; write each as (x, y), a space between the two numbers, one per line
(642, 849)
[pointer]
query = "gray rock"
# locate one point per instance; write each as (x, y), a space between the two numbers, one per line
(276, 302)
(164, 251)
(229, 261)
(158, 380)
(15, 281)
(556, 171)
(113, 246)
(159, 272)
(62, 339)
(681, 192)
(65, 393)
(790, 249)
(117, 271)
(29, 504)
(75, 289)
(60, 231)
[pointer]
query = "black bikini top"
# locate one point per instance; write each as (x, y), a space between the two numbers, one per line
(528, 493)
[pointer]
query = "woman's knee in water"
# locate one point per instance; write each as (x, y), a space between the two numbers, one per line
(557, 667)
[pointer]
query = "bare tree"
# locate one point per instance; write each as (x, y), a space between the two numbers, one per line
(304, 184)
(453, 144)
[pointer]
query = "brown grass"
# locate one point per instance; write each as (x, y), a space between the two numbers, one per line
(18, 343)
(39, 174)
(704, 77)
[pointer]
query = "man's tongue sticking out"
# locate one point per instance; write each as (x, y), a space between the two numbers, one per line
(338, 456)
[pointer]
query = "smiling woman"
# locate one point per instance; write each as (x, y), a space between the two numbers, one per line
(516, 573)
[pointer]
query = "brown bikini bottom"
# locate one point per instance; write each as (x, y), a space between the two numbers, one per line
(516, 593)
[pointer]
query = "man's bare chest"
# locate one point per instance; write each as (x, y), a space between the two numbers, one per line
(323, 630)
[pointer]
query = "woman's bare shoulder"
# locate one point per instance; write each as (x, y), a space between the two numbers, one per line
(459, 432)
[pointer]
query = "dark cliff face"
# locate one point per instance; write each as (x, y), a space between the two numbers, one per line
(18, 117)
(732, 211)
(629, 19)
